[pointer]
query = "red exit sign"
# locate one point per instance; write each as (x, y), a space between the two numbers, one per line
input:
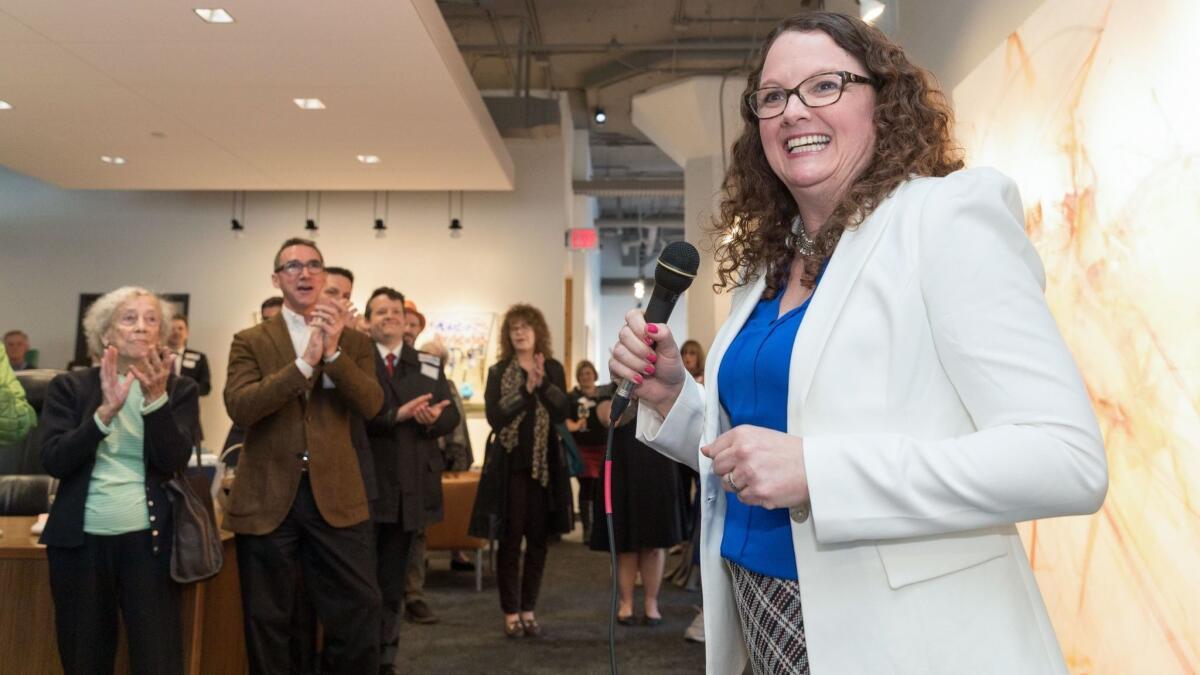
(583, 239)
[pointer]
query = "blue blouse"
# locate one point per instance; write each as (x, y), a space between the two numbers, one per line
(753, 385)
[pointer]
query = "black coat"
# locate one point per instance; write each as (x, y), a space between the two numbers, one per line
(69, 439)
(487, 517)
(195, 366)
(408, 461)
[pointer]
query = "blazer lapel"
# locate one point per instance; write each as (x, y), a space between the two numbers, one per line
(277, 330)
(843, 270)
(742, 307)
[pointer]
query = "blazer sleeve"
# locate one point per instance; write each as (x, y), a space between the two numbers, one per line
(450, 417)
(203, 375)
(68, 434)
(250, 393)
(678, 434)
(553, 392)
(169, 428)
(1037, 451)
(354, 375)
(501, 411)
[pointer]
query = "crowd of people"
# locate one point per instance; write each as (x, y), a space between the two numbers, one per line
(889, 395)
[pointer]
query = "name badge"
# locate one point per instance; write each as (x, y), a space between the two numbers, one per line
(429, 358)
(429, 371)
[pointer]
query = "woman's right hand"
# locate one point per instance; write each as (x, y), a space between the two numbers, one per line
(115, 388)
(657, 369)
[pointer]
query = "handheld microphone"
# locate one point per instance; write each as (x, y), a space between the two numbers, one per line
(676, 269)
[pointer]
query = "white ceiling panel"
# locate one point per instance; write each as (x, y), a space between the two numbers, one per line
(209, 107)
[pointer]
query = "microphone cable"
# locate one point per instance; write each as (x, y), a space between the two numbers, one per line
(612, 550)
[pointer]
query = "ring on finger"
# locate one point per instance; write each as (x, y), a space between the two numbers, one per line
(729, 481)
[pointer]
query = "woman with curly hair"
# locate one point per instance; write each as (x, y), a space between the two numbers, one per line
(890, 393)
(524, 490)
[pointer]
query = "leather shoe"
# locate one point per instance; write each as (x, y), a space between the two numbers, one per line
(419, 612)
(532, 629)
(514, 629)
(630, 620)
(462, 565)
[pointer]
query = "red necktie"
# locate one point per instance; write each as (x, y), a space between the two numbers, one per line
(391, 365)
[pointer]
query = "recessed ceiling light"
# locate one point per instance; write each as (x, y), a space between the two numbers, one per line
(5, 105)
(216, 15)
(369, 159)
(309, 103)
(112, 159)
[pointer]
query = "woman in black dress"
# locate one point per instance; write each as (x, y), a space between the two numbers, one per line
(524, 491)
(590, 435)
(646, 516)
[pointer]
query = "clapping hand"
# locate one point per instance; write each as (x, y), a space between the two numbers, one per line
(329, 316)
(153, 374)
(409, 410)
(429, 414)
(535, 376)
(115, 388)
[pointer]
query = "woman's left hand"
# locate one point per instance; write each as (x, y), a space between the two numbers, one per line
(153, 374)
(764, 467)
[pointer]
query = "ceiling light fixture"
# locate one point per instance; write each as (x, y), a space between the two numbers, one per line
(235, 223)
(369, 159)
(600, 116)
(309, 103)
(5, 105)
(456, 228)
(381, 223)
(311, 222)
(870, 10)
(112, 159)
(215, 15)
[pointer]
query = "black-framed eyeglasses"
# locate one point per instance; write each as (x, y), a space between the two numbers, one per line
(293, 267)
(817, 91)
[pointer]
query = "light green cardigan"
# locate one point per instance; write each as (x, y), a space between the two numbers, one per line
(16, 415)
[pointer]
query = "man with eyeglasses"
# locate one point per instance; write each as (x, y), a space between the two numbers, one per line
(299, 498)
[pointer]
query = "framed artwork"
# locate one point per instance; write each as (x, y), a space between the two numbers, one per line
(468, 337)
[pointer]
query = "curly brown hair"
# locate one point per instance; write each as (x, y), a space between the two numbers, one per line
(532, 316)
(914, 136)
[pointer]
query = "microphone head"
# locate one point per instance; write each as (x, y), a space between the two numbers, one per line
(677, 266)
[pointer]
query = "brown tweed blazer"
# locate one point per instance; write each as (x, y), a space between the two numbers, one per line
(283, 413)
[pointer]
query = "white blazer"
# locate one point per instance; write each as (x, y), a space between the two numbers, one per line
(938, 406)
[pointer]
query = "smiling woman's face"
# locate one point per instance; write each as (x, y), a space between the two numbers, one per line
(136, 327)
(817, 152)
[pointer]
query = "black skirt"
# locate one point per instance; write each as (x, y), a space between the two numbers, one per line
(646, 498)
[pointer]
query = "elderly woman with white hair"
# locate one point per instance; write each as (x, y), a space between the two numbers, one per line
(113, 435)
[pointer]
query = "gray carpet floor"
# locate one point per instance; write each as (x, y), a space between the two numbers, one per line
(573, 611)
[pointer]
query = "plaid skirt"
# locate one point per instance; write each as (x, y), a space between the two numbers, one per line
(772, 625)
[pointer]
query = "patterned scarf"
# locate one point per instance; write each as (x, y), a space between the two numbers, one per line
(510, 385)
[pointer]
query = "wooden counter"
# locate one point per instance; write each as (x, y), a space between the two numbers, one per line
(212, 612)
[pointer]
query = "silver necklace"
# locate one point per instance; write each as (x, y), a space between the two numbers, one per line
(799, 240)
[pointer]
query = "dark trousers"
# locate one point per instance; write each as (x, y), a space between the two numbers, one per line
(338, 567)
(392, 544)
(524, 518)
(90, 584)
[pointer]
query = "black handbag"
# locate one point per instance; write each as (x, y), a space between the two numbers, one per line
(196, 552)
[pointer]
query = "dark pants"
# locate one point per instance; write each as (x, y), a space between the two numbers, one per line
(338, 567)
(524, 517)
(91, 583)
(392, 545)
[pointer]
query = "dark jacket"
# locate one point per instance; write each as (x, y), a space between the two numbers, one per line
(408, 461)
(487, 517)
(69, 439)
(283, 414)
(195, 366)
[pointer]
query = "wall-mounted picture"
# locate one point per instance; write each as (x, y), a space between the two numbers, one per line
(467, 337)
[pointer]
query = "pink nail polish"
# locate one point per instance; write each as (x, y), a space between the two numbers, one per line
(651, 328)
(637, 378)
(649, 370)
(653, 358)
